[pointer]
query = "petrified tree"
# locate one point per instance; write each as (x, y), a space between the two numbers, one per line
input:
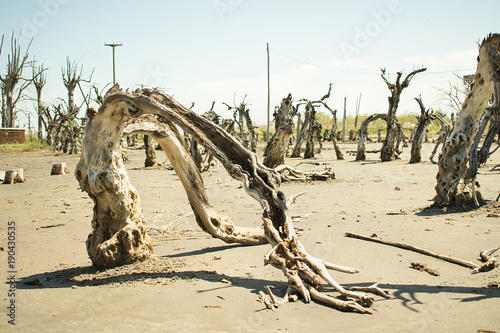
(418, 137)
(453, 187)
(302, 131)
(11, 91)
(39, 80)
(443, 135)
(150, 151)
(333, 135)
(276, 148)
(493, 131)
(313, 132)
(494, 60)
(390, 149)
(310, 127)
(98, 178)
(246, 131)
(363, 134)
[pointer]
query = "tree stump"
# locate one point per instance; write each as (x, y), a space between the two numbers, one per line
(59, 169)
(14, 176)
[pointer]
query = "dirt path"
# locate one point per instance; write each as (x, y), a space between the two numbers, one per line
(199, 284)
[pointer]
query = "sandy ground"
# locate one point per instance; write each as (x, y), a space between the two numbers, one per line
(199, 284)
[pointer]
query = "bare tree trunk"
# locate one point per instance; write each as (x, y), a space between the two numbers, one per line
(303, 271)
(363, 133)
(217, 225)
(312, 131)
(150, 151)
(4, 104)
(118, 234)
(39, 80)
(311, 126)
(302, 134)
(14, 76)
(389, 150)
(494, 129)
(443, 135)
(333, 136)
(276, 148)
(451, 189)
(420, 130)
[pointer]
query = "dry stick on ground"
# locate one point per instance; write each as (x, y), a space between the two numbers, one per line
(303, 271)
(416, 249)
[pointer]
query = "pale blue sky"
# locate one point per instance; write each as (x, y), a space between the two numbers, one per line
(205, 50)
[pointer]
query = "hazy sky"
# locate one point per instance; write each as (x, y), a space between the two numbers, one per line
(212, 50)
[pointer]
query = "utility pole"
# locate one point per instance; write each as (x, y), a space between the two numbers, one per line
(268, 93)
(113, 45)
(343, 122)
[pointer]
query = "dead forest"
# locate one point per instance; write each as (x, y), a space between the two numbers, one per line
(107, 124)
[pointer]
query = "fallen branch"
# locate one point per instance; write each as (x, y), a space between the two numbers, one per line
(417, 249)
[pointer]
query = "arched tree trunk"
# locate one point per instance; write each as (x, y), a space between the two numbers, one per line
(276, 148)
(451, 188)
(389, 149)
(303, 271)
(218, 225)
(363, 133)
(420, 130)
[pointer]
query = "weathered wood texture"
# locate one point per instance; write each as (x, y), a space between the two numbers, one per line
(119, 235)
(451, 188)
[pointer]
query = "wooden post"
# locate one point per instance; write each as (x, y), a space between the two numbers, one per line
(344, 120)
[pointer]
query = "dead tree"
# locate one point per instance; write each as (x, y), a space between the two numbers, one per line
(333, 135)
(313, 132)
(11, 91)
(310, 126)
(453, 186)
(363, 134)
(423, 121)
(150, 151)
(71, 78)
(39, 80)
(246, 131)
(390, 149)
(276, 148)
(302, 131)
(454, 95)
(494, 60)
(493, 131)
(443, 135)
(119, 235)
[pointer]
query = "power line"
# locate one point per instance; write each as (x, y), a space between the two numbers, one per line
(363, 73)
